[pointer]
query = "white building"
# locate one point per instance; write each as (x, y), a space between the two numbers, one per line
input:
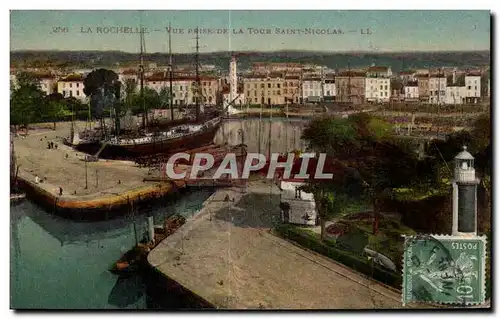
(407, 76)
(329, 91)
(312, 89)
(455, 94)
(72, 86)
(47, 82)
(377, 89)
(379, 71)
(183, 88)
(472, 87)
(411, 91)
(302, 207)
(437, 89)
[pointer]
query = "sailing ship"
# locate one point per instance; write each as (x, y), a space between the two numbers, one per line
(194, 132)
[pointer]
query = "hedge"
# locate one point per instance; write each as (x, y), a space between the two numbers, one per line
(353, 261)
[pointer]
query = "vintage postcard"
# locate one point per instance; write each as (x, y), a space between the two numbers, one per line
(250, 159)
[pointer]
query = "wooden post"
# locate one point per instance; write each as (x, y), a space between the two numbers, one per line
(86, 184)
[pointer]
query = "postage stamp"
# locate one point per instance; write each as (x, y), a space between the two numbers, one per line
(444, 269)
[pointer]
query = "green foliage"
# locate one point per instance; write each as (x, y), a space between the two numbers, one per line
(26, 104)
(29, 104)
(328, 134)
(380, 129)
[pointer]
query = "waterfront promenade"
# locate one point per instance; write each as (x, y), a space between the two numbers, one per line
(108, 183)
(227, 255)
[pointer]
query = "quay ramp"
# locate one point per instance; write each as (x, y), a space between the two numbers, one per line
(227, 255)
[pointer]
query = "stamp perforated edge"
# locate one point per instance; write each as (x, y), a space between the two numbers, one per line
(483, 238)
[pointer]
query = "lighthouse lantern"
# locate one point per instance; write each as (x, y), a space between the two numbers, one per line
(464, 195)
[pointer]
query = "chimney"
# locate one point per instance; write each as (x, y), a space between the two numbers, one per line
(454, 75)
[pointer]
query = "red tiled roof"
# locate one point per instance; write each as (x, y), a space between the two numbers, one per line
(378, 69)
(473, 74)
(422, 76)
(73, 78)
(164, 76)
(352, 74)
(406, 72)
(130, 72)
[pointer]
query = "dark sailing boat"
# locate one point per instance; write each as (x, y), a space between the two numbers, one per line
(193, 134)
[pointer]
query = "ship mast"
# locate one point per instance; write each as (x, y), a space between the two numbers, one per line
(141, 74)
(171, 71)
(198, 86)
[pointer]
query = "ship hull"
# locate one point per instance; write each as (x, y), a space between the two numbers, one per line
(159, 147)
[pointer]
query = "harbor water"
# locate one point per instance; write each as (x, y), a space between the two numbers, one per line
(284, 134)
(61, 264)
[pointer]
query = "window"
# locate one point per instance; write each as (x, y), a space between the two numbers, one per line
(386, 87)
(278, 85)
(381, 87)
(285, 91)
(475, 87)
(268, 85)
(256, 100)
(255, 86)
(70, 93)
(254, 93)
(154, 83)
(78, 85)
(278, 92)
(71, 85)
(64, 93)
(285, 84)
(262, 85)
(77, 93)
(469, 87)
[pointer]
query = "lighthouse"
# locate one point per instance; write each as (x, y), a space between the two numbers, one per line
(464, 195)
(233, 80)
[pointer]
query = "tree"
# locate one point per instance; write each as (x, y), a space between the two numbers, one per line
(330, 198)
(26, 101)
(101, 86)
(164, 97)
(55, 107)
(364, 147)
(130, 92)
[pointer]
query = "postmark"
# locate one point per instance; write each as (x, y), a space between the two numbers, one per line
(444, 269)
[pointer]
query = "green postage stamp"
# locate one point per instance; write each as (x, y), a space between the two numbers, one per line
(444, 269)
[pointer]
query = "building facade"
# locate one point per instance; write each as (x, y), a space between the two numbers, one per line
(411, 92)
(184, 87)
(472, 88)
(437, 88)
(455, 94)
(312, 89)
(292, 89)
(72, 86)
(264, 89)
(329, 91)
(350, 87)
(377, 89)
(423, 88)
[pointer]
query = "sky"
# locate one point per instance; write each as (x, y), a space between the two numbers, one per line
(377, 31)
